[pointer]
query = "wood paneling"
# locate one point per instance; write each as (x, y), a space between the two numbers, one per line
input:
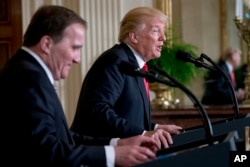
(10, 29)
(190, 117)
(4, 50)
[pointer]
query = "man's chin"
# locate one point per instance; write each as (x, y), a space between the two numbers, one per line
(157, 56)
(63, 76)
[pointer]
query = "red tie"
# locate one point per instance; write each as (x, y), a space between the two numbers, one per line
(145, 68)
(233, 78)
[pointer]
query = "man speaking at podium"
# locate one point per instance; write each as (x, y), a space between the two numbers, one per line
(114, 104)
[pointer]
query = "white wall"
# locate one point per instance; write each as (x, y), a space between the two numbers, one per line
(198, 23)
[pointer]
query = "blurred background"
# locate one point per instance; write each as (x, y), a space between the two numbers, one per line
(207, 24)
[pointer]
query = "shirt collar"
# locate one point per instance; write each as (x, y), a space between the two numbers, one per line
(139, 60)
(229, 66)
(41, 62)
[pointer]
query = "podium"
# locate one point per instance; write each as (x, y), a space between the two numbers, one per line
(220, 127)
(192, 148)
(198, 153)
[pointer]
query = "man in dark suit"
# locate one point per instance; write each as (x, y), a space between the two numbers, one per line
(217, 90)
(113, 103)
(33, 126)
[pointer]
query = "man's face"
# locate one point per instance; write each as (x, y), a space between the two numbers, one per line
(150, 39)
(67, 51)
(236, 59)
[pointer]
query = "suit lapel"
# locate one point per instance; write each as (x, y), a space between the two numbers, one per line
(140, 84)
(144, 95)
(57, 104)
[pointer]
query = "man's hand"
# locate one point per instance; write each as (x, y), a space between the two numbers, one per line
(172, 129)
(132, 155)
(240, 95)
(161, 136)
(140, 140)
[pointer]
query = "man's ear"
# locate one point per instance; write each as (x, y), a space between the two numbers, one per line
(133, 37)
(46, 43)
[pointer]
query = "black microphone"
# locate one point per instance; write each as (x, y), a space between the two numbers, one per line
(130, 69)
(233, 95)
(206, 121)
(186, 57)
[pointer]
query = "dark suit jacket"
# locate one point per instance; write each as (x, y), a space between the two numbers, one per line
(111, 102)
(217, 91)
(34, 131)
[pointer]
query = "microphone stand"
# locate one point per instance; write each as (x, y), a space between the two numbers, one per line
(130, 69)
(205, 119)
(233, 96)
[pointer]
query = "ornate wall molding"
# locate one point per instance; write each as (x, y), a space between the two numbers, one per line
(223, 25)
(166, 7)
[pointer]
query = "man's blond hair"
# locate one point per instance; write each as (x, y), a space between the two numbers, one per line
(136, 17)
(229, 52)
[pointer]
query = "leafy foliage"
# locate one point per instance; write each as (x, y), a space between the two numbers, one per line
(181, 71)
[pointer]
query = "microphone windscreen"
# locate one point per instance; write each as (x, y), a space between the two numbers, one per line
(153, 75)
(127, 68)
(182, 55)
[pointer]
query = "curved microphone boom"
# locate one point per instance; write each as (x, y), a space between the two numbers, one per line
(234, 99)
(186, 57)
(131, 69)
(204, 116)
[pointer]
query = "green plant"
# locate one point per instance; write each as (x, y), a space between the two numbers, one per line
(181, 71)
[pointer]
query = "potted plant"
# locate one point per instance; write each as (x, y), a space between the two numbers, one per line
(181, 71)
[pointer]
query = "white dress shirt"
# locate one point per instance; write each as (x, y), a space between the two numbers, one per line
(229, 66)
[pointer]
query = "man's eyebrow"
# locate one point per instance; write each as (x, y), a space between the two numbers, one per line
(77, 46)
(155, 26)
